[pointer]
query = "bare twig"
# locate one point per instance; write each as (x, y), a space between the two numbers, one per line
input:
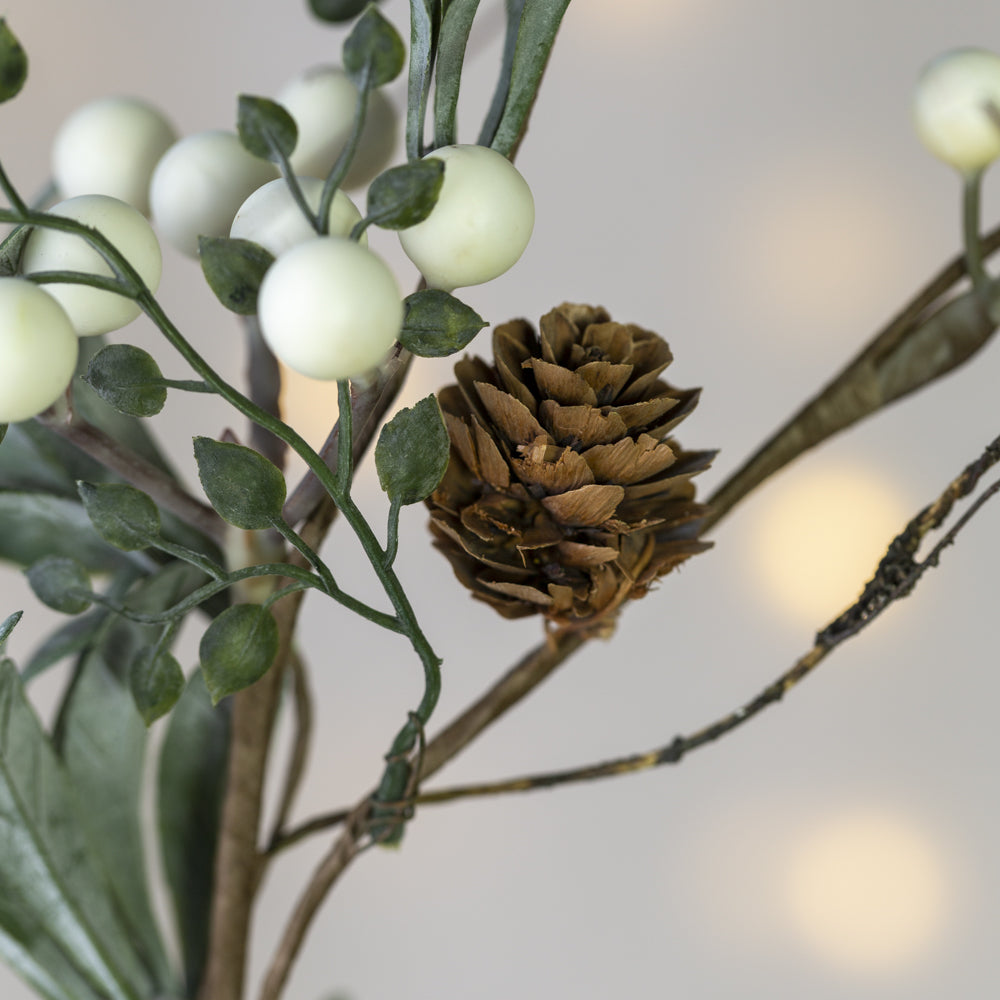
(135, 469)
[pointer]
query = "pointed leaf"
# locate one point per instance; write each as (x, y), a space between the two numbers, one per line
(244, 487)
(13, 63)
(53, 901)
(456, 23)
(126, 377)
(234, 270)
(436, 324)
(190, 786)
(412, 452)
(403, 196)
(373, 40)
(423, 44)
(237, 649)
(102, 743)
(61, 583)
(123, 516)
(266, 129)
(7, 626)
(11, 249)
(157, 681)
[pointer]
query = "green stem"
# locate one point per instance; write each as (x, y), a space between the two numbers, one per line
(100, 281)
(392, 531)
(294, 188)
(184, 385)
(206, 565)
(336, 176)
(16, 201)
(971, 191)
(345, 455)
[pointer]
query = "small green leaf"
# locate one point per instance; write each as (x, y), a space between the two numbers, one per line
(237, 649)
(337, 11)
(266, 129)
(403, 196)
(11, 249)
(123, 516)
(126, 377)
(436, 324)
(244, 487)
(13, 63)
(189, 792)
(156, 680)
(412, 452)
(234, 270)
(7, 626)
(373, 40)
(60, 583)
(456, 23)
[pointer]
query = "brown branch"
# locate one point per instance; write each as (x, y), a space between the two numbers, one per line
(142, 474)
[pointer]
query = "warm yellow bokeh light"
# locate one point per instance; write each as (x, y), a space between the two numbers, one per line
(308, 405)
(618, 21)
(868, 892)
(817, 536)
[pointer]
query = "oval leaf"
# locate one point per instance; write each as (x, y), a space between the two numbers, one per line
(13, 63)
(123, 516)
(403, 196)
(337, 11)
(412, 452)
(156, 680)
(373, 41)
(127, 378)
(237, 649)
(234, 270)
(244, 487)
(60, 583)
(266, 129)
(436, 324)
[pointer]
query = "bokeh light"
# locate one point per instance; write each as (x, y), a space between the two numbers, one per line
(868, 891)
(818, 537)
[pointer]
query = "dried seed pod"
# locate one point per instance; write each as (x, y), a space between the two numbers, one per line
(565, 495)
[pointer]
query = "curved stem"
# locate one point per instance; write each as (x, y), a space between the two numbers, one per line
(971, 191)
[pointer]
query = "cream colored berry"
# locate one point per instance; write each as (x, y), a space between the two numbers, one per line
(271, 217)
(329, 308)
(111, 146)
(323, 101)
(480, 225)
(38, 350)
(200, 183)
(956, 108)
(94, 310)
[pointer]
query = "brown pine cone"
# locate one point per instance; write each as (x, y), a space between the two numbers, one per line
(564, 495)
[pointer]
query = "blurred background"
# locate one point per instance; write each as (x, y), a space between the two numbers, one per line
(742, 177)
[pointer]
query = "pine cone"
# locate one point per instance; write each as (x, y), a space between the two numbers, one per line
(564, 496)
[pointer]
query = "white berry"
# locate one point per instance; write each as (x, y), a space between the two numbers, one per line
(200, 183)
(956, 108)
(94, 310)
(323, 101)
(271, 217)
(38, 350)
(329, 308)
(480, 225)
(111, 146)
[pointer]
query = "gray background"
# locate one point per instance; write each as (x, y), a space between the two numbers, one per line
(741, 176)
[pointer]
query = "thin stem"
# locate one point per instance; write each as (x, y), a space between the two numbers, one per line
(392, 531)
(16, 202)
(294, 188)
(339, 171)
(971, 191)
(114, 285)
(206, 565)
(184, 385)
(345, 421)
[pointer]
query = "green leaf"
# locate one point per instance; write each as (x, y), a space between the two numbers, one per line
(237, 649)
(424, 17)
(102, 743)
(190, 784)
(7, 626)
(266, 129)
(455, 27)
(412, 452)
(60, 583)
(403, 196)
(126, 378)
(77, 634)
(157, 681)
(123, 516)
(13, 63)
(514, 10)
(33, 525)
(234, 270)
(244, 487)
(337, 11)
(436, 324)
(539, 23)
(11, 249)
(373, 41)
(60, 927)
